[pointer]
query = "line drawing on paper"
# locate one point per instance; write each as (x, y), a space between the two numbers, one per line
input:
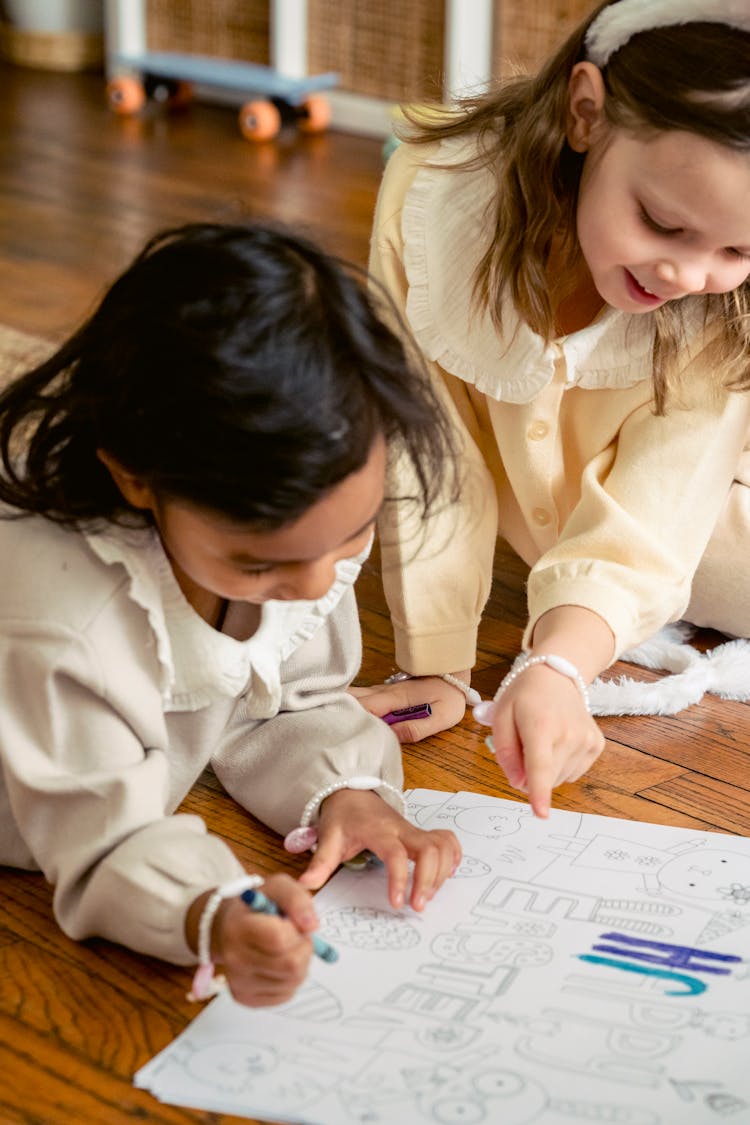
(579, 969)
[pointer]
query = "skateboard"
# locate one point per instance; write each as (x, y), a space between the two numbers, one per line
(274, 100)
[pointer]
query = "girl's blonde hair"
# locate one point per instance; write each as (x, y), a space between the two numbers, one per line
(693, 77)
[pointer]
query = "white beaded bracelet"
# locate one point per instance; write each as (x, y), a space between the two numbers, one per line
(471, 695)
(205, 984)
(304, 837)
(557, 663)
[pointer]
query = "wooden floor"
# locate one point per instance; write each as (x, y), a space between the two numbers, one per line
(79, 192)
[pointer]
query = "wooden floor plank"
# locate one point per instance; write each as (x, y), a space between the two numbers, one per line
(709, 738)
(722, 805)
(44, 1082)
(586, 796)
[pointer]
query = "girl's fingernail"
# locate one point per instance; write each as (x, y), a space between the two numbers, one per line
(398, 899)
(483, 712)
(419, 902)
(490, 744)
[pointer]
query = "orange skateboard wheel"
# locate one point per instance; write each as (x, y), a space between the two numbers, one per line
(314, 114)
(181, 95)
(126, 95)
(259, 121)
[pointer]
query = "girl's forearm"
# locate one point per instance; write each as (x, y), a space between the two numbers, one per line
(580, 635)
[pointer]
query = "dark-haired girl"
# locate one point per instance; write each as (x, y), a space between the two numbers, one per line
(190, 485)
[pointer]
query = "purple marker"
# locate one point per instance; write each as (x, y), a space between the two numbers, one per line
(418, 711)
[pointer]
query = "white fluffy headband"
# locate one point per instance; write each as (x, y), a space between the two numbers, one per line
(614, 26)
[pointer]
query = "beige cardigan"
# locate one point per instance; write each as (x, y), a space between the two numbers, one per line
(611, 506)
(116, 695)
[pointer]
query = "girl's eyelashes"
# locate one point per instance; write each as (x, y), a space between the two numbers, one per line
(652, 224)
(260, 568)
(256, 569)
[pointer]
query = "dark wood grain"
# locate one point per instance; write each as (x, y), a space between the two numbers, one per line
(79, 192)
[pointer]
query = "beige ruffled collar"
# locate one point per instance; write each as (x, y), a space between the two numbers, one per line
(199, 664)
(444, 228)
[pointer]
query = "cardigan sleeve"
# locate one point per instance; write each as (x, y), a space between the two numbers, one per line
(321, 734)
(90, 800)
(648, 505)
(437, 573)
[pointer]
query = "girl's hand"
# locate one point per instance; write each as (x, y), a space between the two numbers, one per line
(447, 702)
(264, 957)
(352, 821)
(543, 735)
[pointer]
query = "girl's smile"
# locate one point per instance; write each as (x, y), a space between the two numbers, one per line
(663, 217)
(640, 293)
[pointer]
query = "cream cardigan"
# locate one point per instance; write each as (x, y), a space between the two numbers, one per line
(611, 506)
(116, 695)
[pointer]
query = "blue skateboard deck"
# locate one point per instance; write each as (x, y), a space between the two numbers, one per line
(231, 74)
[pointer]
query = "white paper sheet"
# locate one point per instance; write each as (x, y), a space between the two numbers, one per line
(581, 968)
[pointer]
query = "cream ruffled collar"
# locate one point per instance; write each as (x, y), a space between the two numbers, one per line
(200, 665)
(444, 228)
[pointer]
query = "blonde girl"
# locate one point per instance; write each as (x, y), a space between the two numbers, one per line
(572, 254)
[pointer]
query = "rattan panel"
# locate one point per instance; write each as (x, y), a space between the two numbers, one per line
(389, 49)
(528, 31)
(230, 29)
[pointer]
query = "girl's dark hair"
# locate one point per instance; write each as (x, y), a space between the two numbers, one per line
(236, 367)
(693, 77)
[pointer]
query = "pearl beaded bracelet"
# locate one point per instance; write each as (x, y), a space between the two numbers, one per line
(205, 984)
(557, 663)
(305, 836)
(471, 695)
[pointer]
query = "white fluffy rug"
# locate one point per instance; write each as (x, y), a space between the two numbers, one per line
(724, 671)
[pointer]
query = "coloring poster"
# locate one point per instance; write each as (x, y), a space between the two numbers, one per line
(581, 968)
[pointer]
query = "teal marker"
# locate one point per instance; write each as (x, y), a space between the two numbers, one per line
(258, 902)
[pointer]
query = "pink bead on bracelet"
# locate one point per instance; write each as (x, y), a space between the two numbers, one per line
(205, 983)
(305, 836)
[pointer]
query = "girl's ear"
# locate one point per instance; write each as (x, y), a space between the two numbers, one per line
(586, 96)
(134, 490)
